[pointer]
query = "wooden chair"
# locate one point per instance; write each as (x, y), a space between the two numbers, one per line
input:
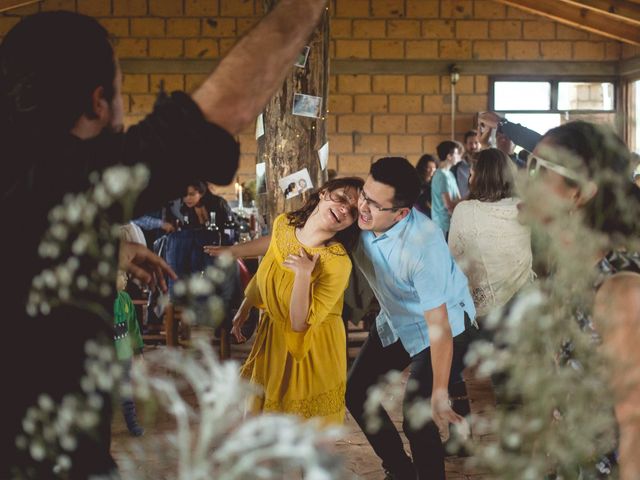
(177, 333)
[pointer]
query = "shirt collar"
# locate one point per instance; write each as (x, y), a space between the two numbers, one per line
(395, 230)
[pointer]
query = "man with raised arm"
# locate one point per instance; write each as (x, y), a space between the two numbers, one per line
(61, 118)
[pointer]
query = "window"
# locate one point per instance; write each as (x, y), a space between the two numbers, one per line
(541, 104)
(585, 96)
(522, 96)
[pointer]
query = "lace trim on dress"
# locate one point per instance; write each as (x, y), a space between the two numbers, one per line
(287, 243)
(327, 403)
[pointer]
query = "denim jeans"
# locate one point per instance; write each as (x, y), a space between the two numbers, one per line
(184, 252)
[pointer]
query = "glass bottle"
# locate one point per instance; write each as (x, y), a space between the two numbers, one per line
(229, 231)
(213, 232)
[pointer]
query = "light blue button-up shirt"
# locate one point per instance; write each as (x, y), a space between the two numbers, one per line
(411, 270)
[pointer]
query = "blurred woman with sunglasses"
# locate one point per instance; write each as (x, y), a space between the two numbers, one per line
(487, 240)
(587, 167)
(299, 355)
(584, 203)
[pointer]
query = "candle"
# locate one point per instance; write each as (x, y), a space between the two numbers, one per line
(239, 192)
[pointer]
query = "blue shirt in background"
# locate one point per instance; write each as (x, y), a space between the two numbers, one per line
(443, 181)
(411, 270)
(462, 173)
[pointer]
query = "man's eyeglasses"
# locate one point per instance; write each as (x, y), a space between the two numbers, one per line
(376, 205)
(337, 197)
(534, 164)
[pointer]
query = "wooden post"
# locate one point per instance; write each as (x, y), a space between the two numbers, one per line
(290, 142)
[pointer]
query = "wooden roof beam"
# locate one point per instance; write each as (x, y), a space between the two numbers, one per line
(622, 10)
(579, 17)
(6, 5)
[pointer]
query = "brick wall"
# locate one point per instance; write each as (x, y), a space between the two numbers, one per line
(370, 115)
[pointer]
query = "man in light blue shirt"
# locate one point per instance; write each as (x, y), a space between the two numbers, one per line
(444, 188)
(426, 312)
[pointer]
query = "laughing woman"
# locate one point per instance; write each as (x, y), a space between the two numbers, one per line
(299, 354)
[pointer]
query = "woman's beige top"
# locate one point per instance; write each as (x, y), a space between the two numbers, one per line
(493, 249)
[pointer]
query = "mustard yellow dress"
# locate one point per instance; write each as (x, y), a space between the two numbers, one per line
(302, 373)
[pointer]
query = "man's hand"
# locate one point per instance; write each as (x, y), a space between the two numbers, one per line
(443, 414)
(167, 227)
(489, 119)
(144, 265)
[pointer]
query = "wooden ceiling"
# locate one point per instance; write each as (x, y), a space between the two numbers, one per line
(9, 4)
(616, 19)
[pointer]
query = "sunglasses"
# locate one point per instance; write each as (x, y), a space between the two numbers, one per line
(534, 163)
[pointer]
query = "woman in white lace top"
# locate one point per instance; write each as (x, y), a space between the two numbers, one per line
(486, 238)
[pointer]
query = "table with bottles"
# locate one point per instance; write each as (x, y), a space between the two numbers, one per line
(184, 249)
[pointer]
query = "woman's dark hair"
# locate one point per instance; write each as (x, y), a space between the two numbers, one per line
(50, 65)
(199, 186)
(421, 166)
(202, 189)
(398, 173)
(347, 237)
(615, 206)
(493, 177)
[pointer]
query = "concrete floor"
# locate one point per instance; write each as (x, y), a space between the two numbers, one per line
(359, 457)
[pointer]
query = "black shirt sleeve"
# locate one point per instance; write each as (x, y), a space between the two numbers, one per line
(179, 145)
(521, 136)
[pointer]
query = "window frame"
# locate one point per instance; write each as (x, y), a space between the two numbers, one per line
(554, 81)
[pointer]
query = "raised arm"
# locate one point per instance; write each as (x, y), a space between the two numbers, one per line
(520, 135)
(255, 68)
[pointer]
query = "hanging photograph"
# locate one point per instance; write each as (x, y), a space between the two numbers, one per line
(296, 183)
(323, 156)
(301, 61)
(259, 126)
(261, 179)
(307, 105)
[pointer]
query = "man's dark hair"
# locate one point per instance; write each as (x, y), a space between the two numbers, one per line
(493, 177)
(470, 133)
(50, 64)
(445, 149)
(398, 173)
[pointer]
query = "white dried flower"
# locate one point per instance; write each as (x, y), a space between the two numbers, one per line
(37, 451)
(199, 286)
(82, 282)
(68, 442)
(45, 402)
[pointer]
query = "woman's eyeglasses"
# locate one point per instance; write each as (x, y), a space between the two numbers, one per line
(338, 197)
(534, 163)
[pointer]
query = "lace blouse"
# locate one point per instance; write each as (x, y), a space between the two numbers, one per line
(493, 250)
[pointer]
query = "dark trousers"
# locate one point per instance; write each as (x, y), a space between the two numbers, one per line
(372, 362)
